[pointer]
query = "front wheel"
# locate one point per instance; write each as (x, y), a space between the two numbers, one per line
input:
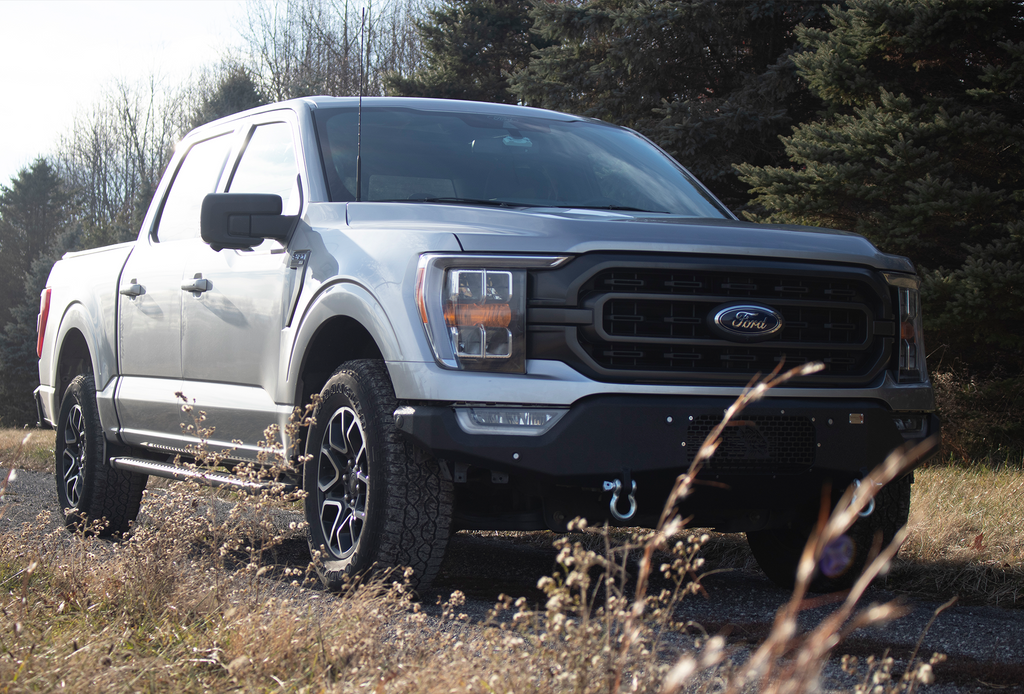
(778, 551)
(370, 503)
(88, 488)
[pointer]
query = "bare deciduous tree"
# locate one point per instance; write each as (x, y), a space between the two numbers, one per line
(301, 48)
(114, 155)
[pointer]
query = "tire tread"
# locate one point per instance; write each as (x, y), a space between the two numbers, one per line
(108, 494)
(417, 511)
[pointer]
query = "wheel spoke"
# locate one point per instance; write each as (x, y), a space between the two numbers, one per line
(330, 469)
(72, 477)
(346, 523)
(70, 467)
(342, 482)
(73, 456)
(336, 434)
(354, 438)
(331, 515)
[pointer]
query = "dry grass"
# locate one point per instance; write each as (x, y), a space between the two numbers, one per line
(194, 601)
(966, 531)
(966, 535)
(27, 449)
(965, 540)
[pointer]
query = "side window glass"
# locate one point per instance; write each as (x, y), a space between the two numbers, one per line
(197, 176)
(268, 166)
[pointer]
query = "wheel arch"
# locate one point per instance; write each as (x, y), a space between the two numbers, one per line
(83, 347)
(344, 321)
(336, 341)
(74, 358)
(81, 343)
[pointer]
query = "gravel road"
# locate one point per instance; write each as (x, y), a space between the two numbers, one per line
(985, 645)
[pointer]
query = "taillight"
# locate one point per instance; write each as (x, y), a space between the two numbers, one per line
(44, 311)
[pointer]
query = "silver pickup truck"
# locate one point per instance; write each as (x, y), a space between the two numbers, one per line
(512, 317)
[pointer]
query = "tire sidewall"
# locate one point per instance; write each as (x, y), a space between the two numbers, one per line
(346, 389)
(80, 392)
(778, 551)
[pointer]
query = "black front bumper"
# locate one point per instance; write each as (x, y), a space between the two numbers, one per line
(602, 435)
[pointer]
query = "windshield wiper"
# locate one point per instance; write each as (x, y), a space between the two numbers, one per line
(621, 208)
(464, 201)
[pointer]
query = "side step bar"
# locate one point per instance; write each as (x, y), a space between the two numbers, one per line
(206, 477)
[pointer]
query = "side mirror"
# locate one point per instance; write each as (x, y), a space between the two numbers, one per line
(243, 220)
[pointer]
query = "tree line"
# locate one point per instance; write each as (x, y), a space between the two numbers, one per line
(902, 120)
(94, 187)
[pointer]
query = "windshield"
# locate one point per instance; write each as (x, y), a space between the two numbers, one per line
(413, 155)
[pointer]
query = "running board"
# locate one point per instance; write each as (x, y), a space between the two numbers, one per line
(205, 477)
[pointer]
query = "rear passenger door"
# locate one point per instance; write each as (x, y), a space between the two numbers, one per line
(150, 297)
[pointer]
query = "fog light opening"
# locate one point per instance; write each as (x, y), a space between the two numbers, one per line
(516, 421)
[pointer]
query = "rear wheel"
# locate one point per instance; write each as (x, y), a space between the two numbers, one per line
(370, 503)
(778, 551)
(88, 488)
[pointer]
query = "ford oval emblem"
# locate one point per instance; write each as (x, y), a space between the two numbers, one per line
(746, 322)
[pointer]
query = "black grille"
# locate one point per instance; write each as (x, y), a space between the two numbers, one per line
(653, 321)
(715, 359)
(756, 444)
(667, 318)
(734, 285)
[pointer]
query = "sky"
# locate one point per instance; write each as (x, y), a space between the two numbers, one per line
(58, 58)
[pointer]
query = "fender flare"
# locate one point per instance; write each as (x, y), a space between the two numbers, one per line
(102, 360)
(101, 352)
(343, 298)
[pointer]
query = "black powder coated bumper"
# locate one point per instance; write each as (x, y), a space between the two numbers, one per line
(601, 436)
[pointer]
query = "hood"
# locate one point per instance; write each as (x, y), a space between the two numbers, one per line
(578, 231)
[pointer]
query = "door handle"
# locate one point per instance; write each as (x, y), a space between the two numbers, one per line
(197, 285)
(132, 289)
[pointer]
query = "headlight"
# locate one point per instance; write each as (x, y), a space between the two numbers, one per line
(910, 338)
(473, 309)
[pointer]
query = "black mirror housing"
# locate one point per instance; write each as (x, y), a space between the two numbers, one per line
(243, 220)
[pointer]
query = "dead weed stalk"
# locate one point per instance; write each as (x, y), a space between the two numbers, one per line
(192, 601)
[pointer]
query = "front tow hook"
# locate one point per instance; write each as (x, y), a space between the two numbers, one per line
(615, 487)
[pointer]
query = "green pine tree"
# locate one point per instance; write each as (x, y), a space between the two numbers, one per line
(34, 212)
(920, 148)
(19, 372)
(233, 90)
(708, 81)
(470, 48)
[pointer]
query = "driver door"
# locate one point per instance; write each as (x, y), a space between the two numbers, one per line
(232, 331)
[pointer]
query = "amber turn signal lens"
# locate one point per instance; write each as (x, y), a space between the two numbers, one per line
(487, 315)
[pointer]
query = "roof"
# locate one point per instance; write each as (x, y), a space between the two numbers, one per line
(373, 102)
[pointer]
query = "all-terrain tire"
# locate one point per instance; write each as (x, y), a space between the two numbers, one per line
(371, 502)
(778, 551)
(88, 488)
